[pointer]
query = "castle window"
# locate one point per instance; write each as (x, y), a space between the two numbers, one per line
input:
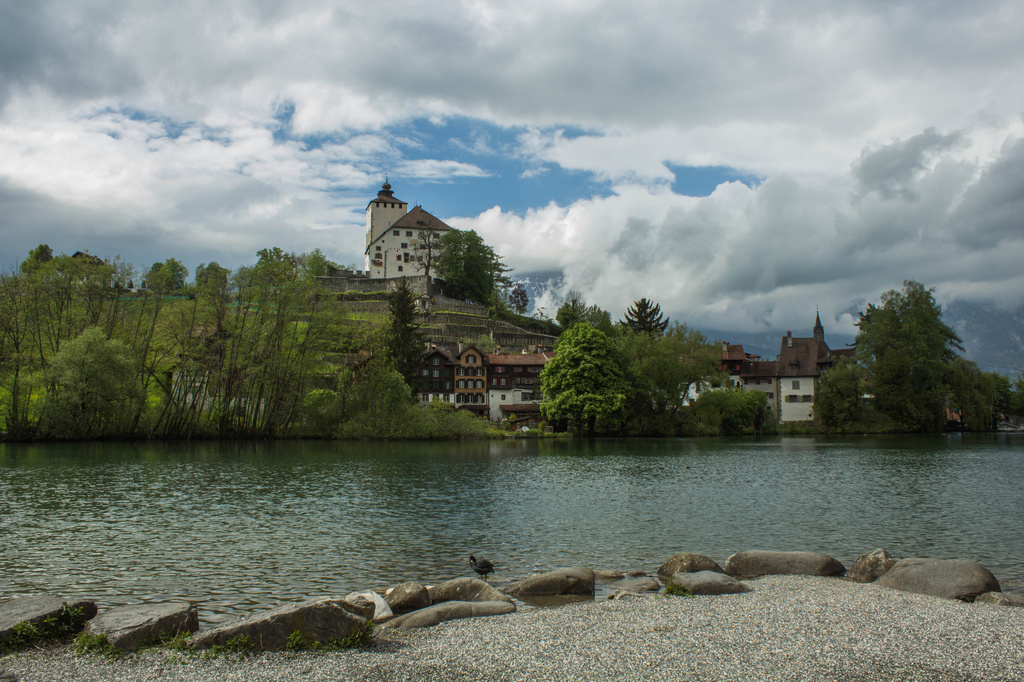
(404, 245)
(796, 385)
(408, 233)
(378, 248)
(394, 232)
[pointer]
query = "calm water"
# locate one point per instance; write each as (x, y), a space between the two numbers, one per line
(244, 526)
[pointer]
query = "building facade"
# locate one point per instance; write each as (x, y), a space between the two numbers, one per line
(400, 242)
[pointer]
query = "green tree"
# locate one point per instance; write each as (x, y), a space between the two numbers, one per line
(471, 270)
(645, 316)
(838, 401)
(905, 346)
(94, 389)
(661, 370)
(38, 256)
(403, 339)
(584, 382)
(316, 264)
(166, 277)
(575, 310)
(731, 412)
(972, 394)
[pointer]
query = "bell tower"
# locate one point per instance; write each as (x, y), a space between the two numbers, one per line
(381, 213)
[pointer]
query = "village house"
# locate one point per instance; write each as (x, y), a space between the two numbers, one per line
(436, 376)
(471, 382)
(514, 385)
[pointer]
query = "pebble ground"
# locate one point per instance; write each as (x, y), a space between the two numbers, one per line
(788, 628)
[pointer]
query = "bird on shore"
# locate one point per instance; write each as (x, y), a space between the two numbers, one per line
(483, 567)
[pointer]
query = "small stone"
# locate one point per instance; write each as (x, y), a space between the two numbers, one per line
(1000, 599)
(687, 562)
(578, 580)
(409, 596)
(869, 567)
(709, 583)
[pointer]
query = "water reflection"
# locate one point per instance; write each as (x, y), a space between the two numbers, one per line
(242, 525)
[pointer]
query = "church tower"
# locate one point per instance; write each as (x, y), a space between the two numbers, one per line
(381, 213)
(819, 331)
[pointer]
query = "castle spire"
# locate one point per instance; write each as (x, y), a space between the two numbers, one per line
(819, 331)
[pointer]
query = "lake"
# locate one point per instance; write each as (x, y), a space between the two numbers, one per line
(241, 526)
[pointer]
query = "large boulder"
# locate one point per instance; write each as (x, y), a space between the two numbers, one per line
(753, 563)
(578, 580)
(409, 596)
(868, 568)
(450, 610)
(127, 627)
(466, 589)
(50, 617)
(946, 578)
(708, 583)
(636, 585)
(687, 562)
(318, 620)
(382, 611)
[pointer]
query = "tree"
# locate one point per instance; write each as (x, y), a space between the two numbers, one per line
(972, 394)
(94, 388)
(584, 382)
(731, 412)
(403, 339)
(661, 370)
(518, 298)
(427, 248)
(168, 276)
(645, 316)
(470, 268)
(575, 310)
(837, 402)
(316, 264)
(36, 257)
(904, 345)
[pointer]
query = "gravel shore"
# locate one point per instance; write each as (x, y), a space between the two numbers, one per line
(787, 628)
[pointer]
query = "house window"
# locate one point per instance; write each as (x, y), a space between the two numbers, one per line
(378, 248)
(462, 371)
(399, 268)
(503, 397)
(404, 245)
(527, 396)
(807, 398)
(499, 370)
(405, 257)
(395, 232)
(792, 398)
(461, 383)
(437, 372)
(447, 385)
(435, 361)
(796, 385)
(503, 381)
(447, 372)
(471, 359)
(771, 395)
(479, 383)
(408, 233)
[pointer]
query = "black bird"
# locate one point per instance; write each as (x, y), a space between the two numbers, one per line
(483, 567)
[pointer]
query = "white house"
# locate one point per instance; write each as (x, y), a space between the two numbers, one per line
(400, 242)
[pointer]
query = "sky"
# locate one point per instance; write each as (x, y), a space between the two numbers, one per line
(743, 164)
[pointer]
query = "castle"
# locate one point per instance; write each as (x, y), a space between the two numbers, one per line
(400, 242)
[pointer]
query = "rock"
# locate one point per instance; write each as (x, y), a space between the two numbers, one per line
(753, 563)
(576, 580)
(1000, 599)
(127, 627)
(946, 578)
(868, 568)
(37, 609)
(635, 574)
(687, 562)
(708, 582)
(622, 594)
(363, 606)
(637, 585)
(466, 589)
(450, 610)
(409, 596)
(319, 620)
(382, 611)
(602, 574)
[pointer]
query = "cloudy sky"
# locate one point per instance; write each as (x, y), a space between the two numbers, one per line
(742, 163)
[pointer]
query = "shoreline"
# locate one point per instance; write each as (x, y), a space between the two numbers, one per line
(788, 627)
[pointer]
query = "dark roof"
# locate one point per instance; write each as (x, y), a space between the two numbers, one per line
(517, 358)
(386, 195)
(418, 219)
(763, 368)
(802, 357)
(443, 352)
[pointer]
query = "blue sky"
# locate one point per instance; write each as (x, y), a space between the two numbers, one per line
(742, 165)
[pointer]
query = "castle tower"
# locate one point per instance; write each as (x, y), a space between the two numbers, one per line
(381, 213)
